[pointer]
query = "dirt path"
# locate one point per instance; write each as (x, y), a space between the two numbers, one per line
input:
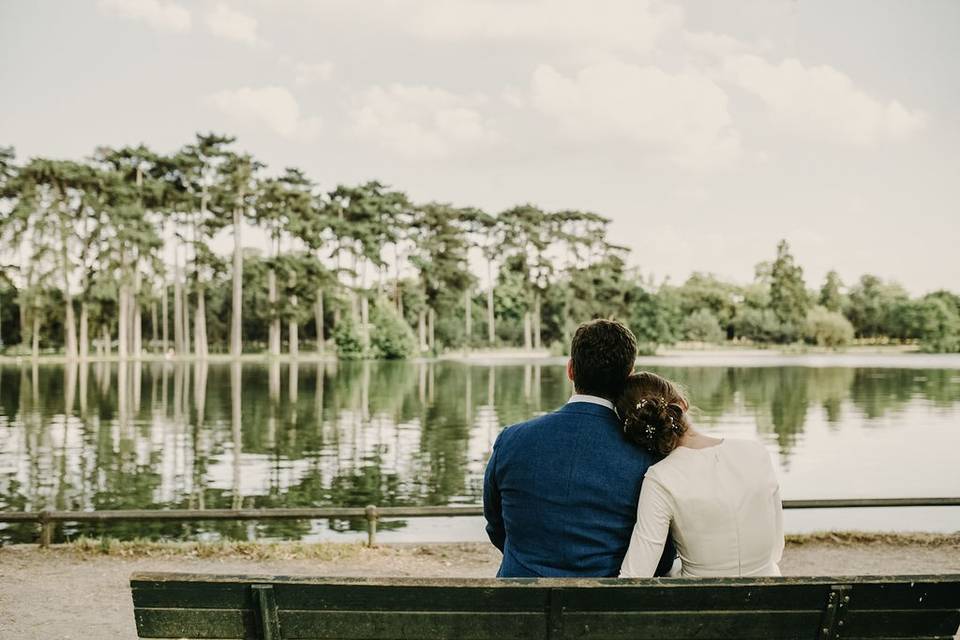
(69, 593)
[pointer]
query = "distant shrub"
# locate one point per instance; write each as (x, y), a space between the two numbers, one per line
(758, 325)
(828, 328)
(346, 335)
(702, 326)
(391, 338)
(939, 326)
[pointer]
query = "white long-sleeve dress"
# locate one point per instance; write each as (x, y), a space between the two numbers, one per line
(722, 506)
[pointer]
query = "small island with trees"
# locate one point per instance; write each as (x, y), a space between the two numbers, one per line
(111, 257)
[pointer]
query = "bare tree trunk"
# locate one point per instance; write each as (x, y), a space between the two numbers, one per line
(185, 306)
(177, 312)
(536, 321)
(432, 324)
(365, 321)
(105, 341)
(154, 337)
(422, 329)
(468, 315)
(71, 327)
(123, 339)
(274, 337)
(491, 321)
(236, 330)
(527, 339)
(292, 330)
(318, 318)
(84, 347)
(35, 335)
(200, 324)
(163, 312)
(136, 318)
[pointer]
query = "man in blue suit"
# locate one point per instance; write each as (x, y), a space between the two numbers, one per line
(560, 491)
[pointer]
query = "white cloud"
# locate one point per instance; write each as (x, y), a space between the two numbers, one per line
(684, 116)
(419, 121)
(272, 106)
(227, 23)
(159, 14)
(821, 100)
(619, 24)
(309, 73)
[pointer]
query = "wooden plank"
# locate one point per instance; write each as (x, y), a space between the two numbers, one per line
(901, 623)
(912, 594)
(707, 625)
(267, 615)
(192, 595)
(693, 596)
(203, 624)
(396, 625)
(352, 597)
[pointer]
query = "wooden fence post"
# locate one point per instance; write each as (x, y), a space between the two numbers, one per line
(46, 529)
(371, 511)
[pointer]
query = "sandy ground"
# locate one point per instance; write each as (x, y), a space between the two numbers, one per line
(65, 593)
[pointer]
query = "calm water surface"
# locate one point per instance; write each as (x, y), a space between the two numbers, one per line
(163, 435)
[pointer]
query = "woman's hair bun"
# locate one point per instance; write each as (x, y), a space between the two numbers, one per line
(655, 424)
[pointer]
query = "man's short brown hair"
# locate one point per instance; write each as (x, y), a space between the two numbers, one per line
(602, 354)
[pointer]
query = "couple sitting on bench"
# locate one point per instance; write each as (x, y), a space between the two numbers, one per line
(618, 481)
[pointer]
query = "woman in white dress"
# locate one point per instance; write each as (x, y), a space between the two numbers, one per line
(718, 498)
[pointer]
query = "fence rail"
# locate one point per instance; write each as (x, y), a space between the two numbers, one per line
(49, 519)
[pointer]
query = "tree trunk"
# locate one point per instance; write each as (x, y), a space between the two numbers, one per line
(185, 306)
(318, 309)
(422, 329)
(123, 339)
(274, 336)
(292, 330)
(163, 311)
(468, 316)
(527, 340)
(84, 347)
(177, 313)
(432, 324)
(365, 321)
(137, 322)
(491, 321)
(200, 324)
(35, 335)
(71, 328)
(154, 337)
(236, 331)
(536, 321)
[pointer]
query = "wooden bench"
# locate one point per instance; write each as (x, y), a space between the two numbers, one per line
(172, 605)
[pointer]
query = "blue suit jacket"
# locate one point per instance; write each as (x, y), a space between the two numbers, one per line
(560, 494)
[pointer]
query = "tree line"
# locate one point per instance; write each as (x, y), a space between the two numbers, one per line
(113, 254)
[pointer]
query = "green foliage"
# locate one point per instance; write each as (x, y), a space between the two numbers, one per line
(788, 293)
(828, 328)
(873, 305)
(346, 336)
(830, 297)
(702, 326)
(939, 324)
(390, 337)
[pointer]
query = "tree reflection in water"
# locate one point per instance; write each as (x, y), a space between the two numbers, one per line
(197, 435)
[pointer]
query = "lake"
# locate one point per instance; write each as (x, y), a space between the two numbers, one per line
(162, 435)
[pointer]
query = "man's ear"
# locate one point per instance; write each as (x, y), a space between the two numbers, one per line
(570, 370)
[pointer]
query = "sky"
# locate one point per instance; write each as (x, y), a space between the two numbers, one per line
(706, 131)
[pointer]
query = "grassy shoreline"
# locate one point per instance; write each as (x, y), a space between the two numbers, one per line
(338, 551)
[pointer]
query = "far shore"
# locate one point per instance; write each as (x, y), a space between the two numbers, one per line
(82, 590)
(690, 354)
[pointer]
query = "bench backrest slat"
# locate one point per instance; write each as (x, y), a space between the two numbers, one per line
(274, 608)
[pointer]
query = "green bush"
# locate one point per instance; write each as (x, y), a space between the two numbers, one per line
(391, 338)
(702, 326)
(828, 328)
(939, 326)
(346, 335)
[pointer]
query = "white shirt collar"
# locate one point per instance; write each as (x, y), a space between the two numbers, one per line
(583, 397)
